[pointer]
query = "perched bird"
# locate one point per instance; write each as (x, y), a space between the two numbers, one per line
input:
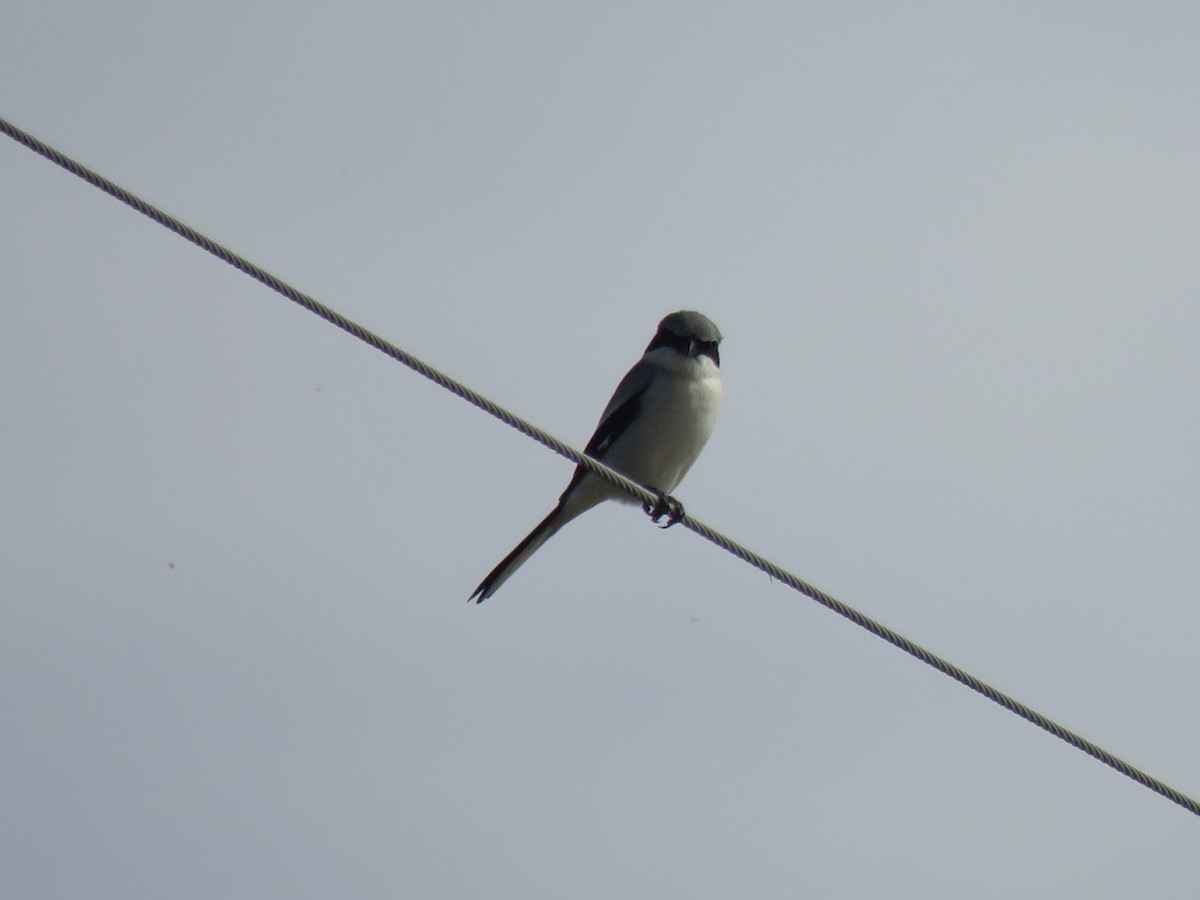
(652, 430)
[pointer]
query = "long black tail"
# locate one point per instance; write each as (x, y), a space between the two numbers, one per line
(545, 530)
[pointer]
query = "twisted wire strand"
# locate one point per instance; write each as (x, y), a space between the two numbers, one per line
(316, 307)
(944, 666)
(548, 440)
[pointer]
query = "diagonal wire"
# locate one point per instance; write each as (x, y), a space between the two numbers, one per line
(746, 555)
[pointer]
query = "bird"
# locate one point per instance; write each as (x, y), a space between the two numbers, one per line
(652, 431)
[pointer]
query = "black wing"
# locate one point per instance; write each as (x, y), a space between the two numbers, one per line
(622, 409)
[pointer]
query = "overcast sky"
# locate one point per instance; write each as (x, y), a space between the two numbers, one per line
(953, 249)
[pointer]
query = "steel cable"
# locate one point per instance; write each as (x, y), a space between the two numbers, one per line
(471, 396)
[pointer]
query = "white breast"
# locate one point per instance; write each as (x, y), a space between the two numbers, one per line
(677, 416)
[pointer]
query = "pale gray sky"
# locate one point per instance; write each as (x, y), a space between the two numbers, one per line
(953, 249)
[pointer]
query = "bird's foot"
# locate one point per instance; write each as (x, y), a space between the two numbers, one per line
(664, 506)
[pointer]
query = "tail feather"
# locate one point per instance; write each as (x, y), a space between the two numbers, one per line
(545, 530)
(584, 492)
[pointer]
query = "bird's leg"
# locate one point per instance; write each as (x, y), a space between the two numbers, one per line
(658, 509)
(664, 506)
